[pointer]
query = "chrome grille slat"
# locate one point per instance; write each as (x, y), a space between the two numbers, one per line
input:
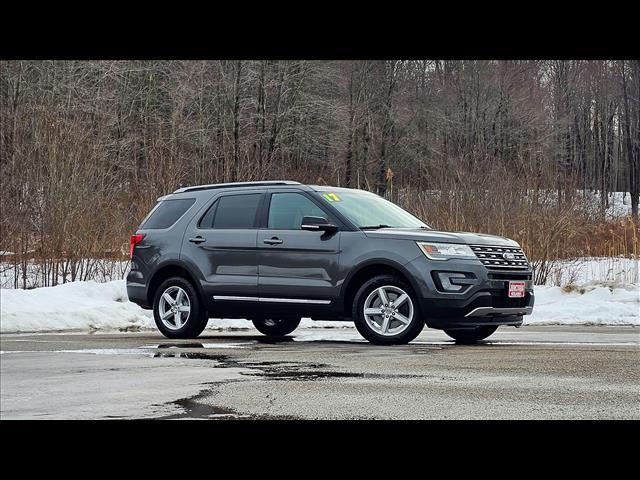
(491, 257)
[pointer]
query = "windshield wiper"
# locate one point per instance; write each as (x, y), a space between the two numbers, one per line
(375, 227)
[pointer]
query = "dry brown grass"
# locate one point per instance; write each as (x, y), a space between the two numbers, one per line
(96, 230)
(547, 231)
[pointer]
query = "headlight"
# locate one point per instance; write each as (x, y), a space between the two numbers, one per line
(444, 251)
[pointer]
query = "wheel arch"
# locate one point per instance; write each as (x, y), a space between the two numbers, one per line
(171, 270)
(367, 270)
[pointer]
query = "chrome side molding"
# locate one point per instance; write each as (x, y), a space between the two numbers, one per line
(238, 299)
(295, 300)
(271, 300)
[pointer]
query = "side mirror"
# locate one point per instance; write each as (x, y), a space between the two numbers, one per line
(317, 224)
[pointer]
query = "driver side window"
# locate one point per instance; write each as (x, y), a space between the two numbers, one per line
(286, 211)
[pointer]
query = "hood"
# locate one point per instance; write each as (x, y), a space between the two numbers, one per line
(423, 235)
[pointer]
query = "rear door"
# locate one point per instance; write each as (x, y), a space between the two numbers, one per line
(221, 244)
(296, 267)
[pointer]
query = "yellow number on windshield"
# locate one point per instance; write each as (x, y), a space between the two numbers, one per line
(332, 197)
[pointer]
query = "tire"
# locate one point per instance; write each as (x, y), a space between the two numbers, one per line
(276, 327)
(190, 325)
(402, 324)
(469, 336)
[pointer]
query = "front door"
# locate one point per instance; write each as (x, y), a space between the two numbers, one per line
(296, 267)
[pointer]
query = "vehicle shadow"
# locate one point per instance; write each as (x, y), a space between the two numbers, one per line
(252, 338)
(261, 339)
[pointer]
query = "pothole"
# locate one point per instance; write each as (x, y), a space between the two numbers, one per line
(193, 407)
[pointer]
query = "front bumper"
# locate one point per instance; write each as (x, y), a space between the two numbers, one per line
(486, 307)
(499, 311)
(483, 302)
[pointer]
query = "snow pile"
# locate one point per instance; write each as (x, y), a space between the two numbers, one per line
(85, 306)
(91, 306)
(592, 304)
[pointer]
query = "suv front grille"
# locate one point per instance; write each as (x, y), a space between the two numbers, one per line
(494, 257)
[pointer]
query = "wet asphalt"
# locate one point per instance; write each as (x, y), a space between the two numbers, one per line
(549, 372)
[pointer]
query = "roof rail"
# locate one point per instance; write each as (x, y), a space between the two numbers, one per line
(235, 185)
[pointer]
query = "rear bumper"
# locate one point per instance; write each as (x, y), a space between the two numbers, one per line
(137, 289)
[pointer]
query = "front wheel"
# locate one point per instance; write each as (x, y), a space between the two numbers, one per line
(276, 327)
(386, 311)
(469, 336)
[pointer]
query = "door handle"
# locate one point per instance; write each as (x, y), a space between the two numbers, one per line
(272, 241)
(197, 239)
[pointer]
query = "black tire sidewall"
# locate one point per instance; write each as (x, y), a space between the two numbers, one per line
(414, 329)
(284, 327)
(197, 320)
(471, 335)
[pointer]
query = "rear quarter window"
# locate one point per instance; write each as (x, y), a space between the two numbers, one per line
(168, 213)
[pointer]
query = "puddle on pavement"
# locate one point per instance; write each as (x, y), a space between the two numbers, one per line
(177, 345)
(107, 351)
(287, 371)
(168, 346)
(282, 374)
(274, 340)
(270, 370)
(191, 355)
(193, 407)
(304, 372)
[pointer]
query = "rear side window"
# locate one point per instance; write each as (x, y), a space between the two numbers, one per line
(236, 211)
(167, 213)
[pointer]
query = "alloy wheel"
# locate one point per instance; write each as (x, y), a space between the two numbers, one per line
(174, 308)
(388, 310)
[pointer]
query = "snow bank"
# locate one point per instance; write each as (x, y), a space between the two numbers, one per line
(593, 304)
(83, 306)
(91, 306)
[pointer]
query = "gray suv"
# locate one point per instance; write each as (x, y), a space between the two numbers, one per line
(274, 252)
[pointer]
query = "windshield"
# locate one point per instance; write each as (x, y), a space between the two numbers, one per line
(367, 210)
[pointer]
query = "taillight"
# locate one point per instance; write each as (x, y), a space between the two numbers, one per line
(135, 239)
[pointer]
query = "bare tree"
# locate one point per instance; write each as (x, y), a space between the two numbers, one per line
(86, 147)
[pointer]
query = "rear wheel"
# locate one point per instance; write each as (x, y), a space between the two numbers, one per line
(471, 335)
(177, 309)
(385, 311)
(276, 327)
